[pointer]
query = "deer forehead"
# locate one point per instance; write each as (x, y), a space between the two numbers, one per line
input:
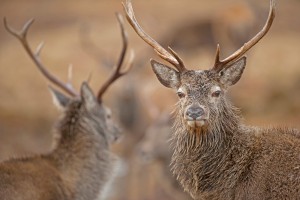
(198, 79)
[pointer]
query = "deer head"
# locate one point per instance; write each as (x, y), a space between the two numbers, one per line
(85, 102)
(201, 92)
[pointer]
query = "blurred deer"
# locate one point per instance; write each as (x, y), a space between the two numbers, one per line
(217, 156)
(232, 26)
(81, 165)
(155, 146)
(130, 116)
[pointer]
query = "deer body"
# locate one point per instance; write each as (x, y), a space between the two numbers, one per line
(215, 155)
(235, 161)
(77, 168)
(81, 165)
(155, 147)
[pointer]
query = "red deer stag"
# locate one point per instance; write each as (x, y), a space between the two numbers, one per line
(216, 156)
(81, 165)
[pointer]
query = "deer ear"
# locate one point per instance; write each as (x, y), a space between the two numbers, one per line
(166, 75)
(59, 99)
(233, 72)
(87, 96)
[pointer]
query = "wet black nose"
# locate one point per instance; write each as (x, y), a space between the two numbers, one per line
(194, 112)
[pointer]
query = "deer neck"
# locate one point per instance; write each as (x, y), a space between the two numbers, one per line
(200, 158)
(82, 154)
(79, 137)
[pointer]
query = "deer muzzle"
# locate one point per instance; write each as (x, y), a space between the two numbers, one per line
(195, 116)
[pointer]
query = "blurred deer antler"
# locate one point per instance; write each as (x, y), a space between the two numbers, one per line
(220, 64)
(117, 72)
(22, 37)
(91, 49)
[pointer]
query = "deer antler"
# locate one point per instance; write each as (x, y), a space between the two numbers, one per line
(220, 64)
(172, 57)
(117, 72)
(22, 37)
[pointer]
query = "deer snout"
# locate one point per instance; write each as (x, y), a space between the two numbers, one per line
(195, 116)
(194, 113)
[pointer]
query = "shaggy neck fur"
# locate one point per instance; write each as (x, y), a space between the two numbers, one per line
(203, 160)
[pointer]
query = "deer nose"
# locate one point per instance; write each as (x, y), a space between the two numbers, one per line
(194, 112)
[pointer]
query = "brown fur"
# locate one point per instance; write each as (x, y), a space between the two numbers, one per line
(79, 166)
(238, 162)
(215, 155)
(225, 159)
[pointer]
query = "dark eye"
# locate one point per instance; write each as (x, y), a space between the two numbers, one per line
(216, 93)
(108, 116)
(180, 95)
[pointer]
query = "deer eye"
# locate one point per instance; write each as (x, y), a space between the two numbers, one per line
(216, 93)
(180, 94)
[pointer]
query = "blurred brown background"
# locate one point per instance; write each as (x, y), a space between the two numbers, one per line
(86, 34)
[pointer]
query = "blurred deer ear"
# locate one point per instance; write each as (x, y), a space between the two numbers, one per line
(232, 73)
(87, 96)
(59, 99)
(166, 75)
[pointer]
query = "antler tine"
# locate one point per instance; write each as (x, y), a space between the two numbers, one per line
(163, 53)
(21, 36)
(22, 33)
(217, 59)
(180, 66)
(219, 65)
(117, 72)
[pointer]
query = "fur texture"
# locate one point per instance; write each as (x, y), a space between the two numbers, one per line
(224, 158)
(79, 166)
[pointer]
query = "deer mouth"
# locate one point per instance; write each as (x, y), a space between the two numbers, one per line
(196, 123)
